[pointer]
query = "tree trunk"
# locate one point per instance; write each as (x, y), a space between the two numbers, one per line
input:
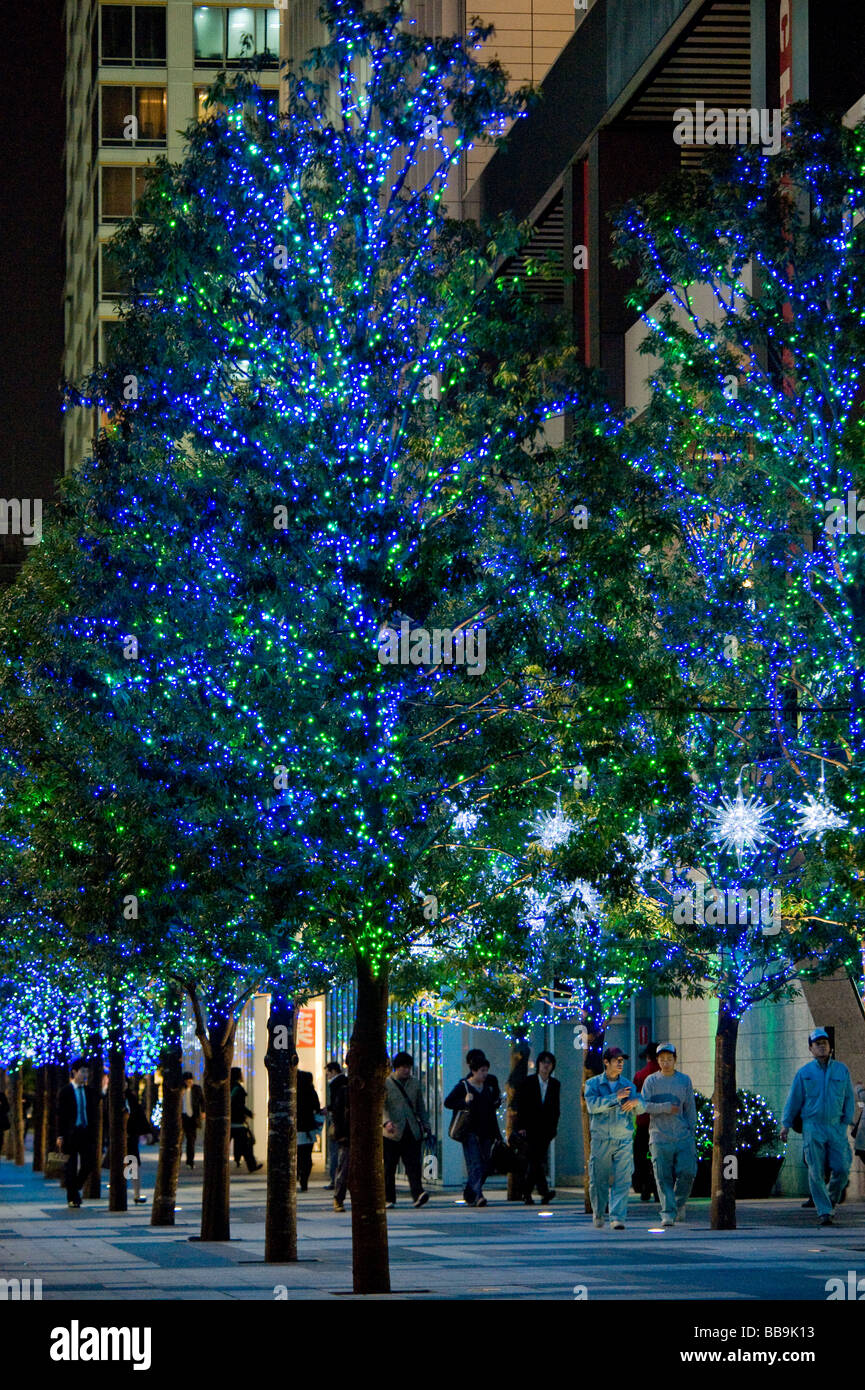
(280, 1231)
(117, 1118)
(724, 1157)
(171, 1126)
(16, 1115)
(367, 1073)
(218, 1048)
(40, 1119)
(93, 1185)
(6, 1140)
(151, 1093)
(520, 1053)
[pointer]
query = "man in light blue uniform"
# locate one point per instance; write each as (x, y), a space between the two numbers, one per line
(668, 1099)
(822, 1094)
(609, 1100)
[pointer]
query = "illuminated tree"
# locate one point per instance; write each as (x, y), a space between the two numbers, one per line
(753, 436)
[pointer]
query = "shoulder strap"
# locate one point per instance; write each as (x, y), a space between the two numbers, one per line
(405, 1093)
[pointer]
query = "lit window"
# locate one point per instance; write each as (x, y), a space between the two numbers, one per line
(133, 115)
(227, 34)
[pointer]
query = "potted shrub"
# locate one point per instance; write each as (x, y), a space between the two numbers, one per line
(759, 1150)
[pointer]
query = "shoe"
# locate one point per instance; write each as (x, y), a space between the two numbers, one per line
(328, 1187)
(190, 1165)
(481, 1202)
(301, 1187)
(338, 1206)
(645, 1196)
(76, 1205)
(422, 1200)
(808, 1204)
(390, 1204)
(617, 1225)
(827, 1221)
(681, 1214)
(548, 1196)
(139, 1201)
(255, 1167)
(598, 1223)
(667, 1221)
(528, 1201)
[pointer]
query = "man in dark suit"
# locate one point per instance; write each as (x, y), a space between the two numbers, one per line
(191, 1114)
(537, 1118)
(76, 1130)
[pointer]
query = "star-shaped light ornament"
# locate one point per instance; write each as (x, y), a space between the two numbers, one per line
(816, 816)
(552, 828)
(740, 824)
(650, 861)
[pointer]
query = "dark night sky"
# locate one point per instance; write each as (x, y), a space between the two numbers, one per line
(31, 263)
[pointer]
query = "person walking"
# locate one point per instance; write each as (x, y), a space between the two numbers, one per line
(406, 1125)
(858, 1134)
(610, 1099)
(478, 1093)
(137, 1125)
(668, 1099)
(536, 1118)
(339, 1116)
(644, 1177)
(240, 1131)
(308, 1126)
(76, 1130)
(191, 1114)
(821, 1096)
(331, 1070)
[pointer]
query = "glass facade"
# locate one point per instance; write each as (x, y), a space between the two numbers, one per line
(227, 33)
(408, 1030)
(132, 36)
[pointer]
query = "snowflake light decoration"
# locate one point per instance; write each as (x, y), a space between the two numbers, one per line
(651, 858)
(740, 824)
(816, 816)
(552, 828)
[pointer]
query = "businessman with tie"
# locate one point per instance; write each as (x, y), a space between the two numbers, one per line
(76, 1130)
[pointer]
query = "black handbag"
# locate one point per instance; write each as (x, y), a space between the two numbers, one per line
(460, 1125)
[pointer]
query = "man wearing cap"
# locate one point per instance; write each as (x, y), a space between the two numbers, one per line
(822, 1095)
(609, 1100)
(668, 1099)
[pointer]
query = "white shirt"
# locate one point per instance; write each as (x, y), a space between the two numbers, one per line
(187, 1102)
(543, 1085)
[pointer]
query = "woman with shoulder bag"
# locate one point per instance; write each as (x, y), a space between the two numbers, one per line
(475, 1101)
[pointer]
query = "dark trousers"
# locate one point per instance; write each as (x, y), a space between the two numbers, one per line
(536, 1167)
(304, 1165)
(410, 1151)
(243, 1146)
(340, 1182)
(644, 1173)
(81, 1161)
(190, 1129)
(476, 1153)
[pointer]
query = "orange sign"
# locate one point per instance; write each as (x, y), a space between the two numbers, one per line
(306, 1027)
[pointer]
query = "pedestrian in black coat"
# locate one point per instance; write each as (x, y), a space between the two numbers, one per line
(537, 1104)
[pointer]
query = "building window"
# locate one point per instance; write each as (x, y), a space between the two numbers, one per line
(225, 34)
(269, 103)
(115, 283)
(109, 329)
(132, 35)
(133, 115)
(122, 186)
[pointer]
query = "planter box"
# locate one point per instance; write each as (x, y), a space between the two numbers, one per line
(757, 1177)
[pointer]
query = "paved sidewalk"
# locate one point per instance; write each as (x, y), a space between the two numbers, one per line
(443, 1251)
